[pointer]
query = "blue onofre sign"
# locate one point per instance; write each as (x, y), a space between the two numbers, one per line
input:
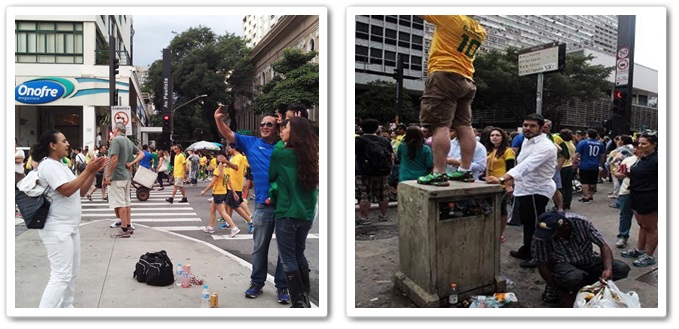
(44, 90)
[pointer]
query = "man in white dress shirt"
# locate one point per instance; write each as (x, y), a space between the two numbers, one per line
(532, 178)
(453, 161)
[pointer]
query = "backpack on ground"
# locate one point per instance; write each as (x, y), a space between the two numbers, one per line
(377, 161)
(154, 268)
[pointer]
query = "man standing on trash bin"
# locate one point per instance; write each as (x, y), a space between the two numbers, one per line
(562, 247)
(119, 179)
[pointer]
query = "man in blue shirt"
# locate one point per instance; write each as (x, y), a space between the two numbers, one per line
(590, 153)
(258, 152)
(146, 161)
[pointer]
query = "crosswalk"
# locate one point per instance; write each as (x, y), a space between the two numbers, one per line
(156, 212)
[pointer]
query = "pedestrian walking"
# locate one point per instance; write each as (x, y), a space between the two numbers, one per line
(61, 234)
(374, 162)
(119, 179)
(179, 174)
(99, 177)
(590, 154)
(219, 184)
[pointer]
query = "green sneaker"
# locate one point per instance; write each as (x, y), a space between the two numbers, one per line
(462, 176)
(433, 179)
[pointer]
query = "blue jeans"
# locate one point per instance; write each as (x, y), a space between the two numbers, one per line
(264, 223)
(625, 223)
(291, 236)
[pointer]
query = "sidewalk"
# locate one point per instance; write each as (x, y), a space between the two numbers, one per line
(107, 265)
(377, 259)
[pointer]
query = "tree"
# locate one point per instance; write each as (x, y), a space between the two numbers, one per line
(203, 63)
(296, 81)
(500, 87)
(378, 101)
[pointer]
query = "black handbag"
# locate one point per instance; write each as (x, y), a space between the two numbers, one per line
(33, 209)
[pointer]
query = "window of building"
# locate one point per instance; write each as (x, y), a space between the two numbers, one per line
(389, 58)
(361, 30)
(312, 45)
(361, 54)
(391, 19)
(49, 42)
(404, 20)
(390, 36)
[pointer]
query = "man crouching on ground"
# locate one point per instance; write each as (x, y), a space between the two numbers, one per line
(562, 247)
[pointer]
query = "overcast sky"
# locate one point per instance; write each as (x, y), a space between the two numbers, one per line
(153, 33)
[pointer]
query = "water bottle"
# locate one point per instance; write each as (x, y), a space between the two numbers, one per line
(205, 298)
(179, 275)
(452, 297)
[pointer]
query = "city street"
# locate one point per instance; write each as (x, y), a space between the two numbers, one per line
(187, 219)
(377, 259)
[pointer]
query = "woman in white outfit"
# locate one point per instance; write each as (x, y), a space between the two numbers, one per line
(61, 234)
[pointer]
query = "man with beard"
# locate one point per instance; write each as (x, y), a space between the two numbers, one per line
(533, 183)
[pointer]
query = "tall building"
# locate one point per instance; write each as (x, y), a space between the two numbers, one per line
(255, 27)
(379, 39)
(291, 31)
(62, 76)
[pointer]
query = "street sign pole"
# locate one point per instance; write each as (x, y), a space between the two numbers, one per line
(538, 94)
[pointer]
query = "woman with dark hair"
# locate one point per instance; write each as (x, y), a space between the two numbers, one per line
(294, 179)
(498, 162)
(567, 173)
(415, 157)
(61, 234)
(643, 187)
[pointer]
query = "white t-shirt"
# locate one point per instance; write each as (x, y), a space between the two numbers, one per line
(19, 167)
(65, 212)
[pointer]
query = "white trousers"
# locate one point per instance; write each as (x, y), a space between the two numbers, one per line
(63, 251)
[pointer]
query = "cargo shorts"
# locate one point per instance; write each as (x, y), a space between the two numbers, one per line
(447, 100)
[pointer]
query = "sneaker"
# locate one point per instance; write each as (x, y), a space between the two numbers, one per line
(170, 200)
(121, 234)
(586, 200)
(621, 243)
(253, 291)
(550, 295)
(434, 179)
(644, 260)
(224, 226)
(184, 200)
(219, 219)
(632, 253)
(283, 296)
(382, 218)
(462, 176)
(130, 229)
(251, 227)
(115, 224)
(234, 231)
(362, 221)
(208, 229)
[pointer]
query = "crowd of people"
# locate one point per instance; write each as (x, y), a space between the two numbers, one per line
(281, 169)
(535, 167)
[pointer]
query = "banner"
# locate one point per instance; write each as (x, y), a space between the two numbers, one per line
(122, 114)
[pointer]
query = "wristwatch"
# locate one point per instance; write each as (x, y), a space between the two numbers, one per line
(502, 180)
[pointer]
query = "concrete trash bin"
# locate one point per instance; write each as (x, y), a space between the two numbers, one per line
(448, 234)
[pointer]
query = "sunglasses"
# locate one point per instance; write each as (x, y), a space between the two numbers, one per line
(268, 124)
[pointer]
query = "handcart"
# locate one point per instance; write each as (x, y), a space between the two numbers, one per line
(143, 181)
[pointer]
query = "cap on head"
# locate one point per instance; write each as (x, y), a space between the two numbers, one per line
(548, 223)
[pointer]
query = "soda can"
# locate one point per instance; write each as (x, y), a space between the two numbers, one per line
(214, 300)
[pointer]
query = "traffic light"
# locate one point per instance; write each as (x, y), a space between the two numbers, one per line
(620, 100)
(116, 66)
(166, 123)
(398, 71)
(115, 97)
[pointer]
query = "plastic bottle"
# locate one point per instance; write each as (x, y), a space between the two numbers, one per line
(205, 298)
(453, 296)
(179, 275)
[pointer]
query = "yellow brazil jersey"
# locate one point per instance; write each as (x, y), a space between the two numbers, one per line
(238, 176)
(456, 40)
(203, 160)
(178, 167)
(497, 166)
(213, 163)
(222, 176)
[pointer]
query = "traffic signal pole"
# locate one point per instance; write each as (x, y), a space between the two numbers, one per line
(398, 76)
(112, 70)
(624, 77)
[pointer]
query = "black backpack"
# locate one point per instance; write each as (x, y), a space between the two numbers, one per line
(377, 158)
(154, 268)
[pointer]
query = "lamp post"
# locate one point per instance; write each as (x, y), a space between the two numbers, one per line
(176, 108)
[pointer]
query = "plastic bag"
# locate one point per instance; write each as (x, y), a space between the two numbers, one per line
(608, 296)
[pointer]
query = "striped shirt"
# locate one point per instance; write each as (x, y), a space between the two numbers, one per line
(575, 249)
